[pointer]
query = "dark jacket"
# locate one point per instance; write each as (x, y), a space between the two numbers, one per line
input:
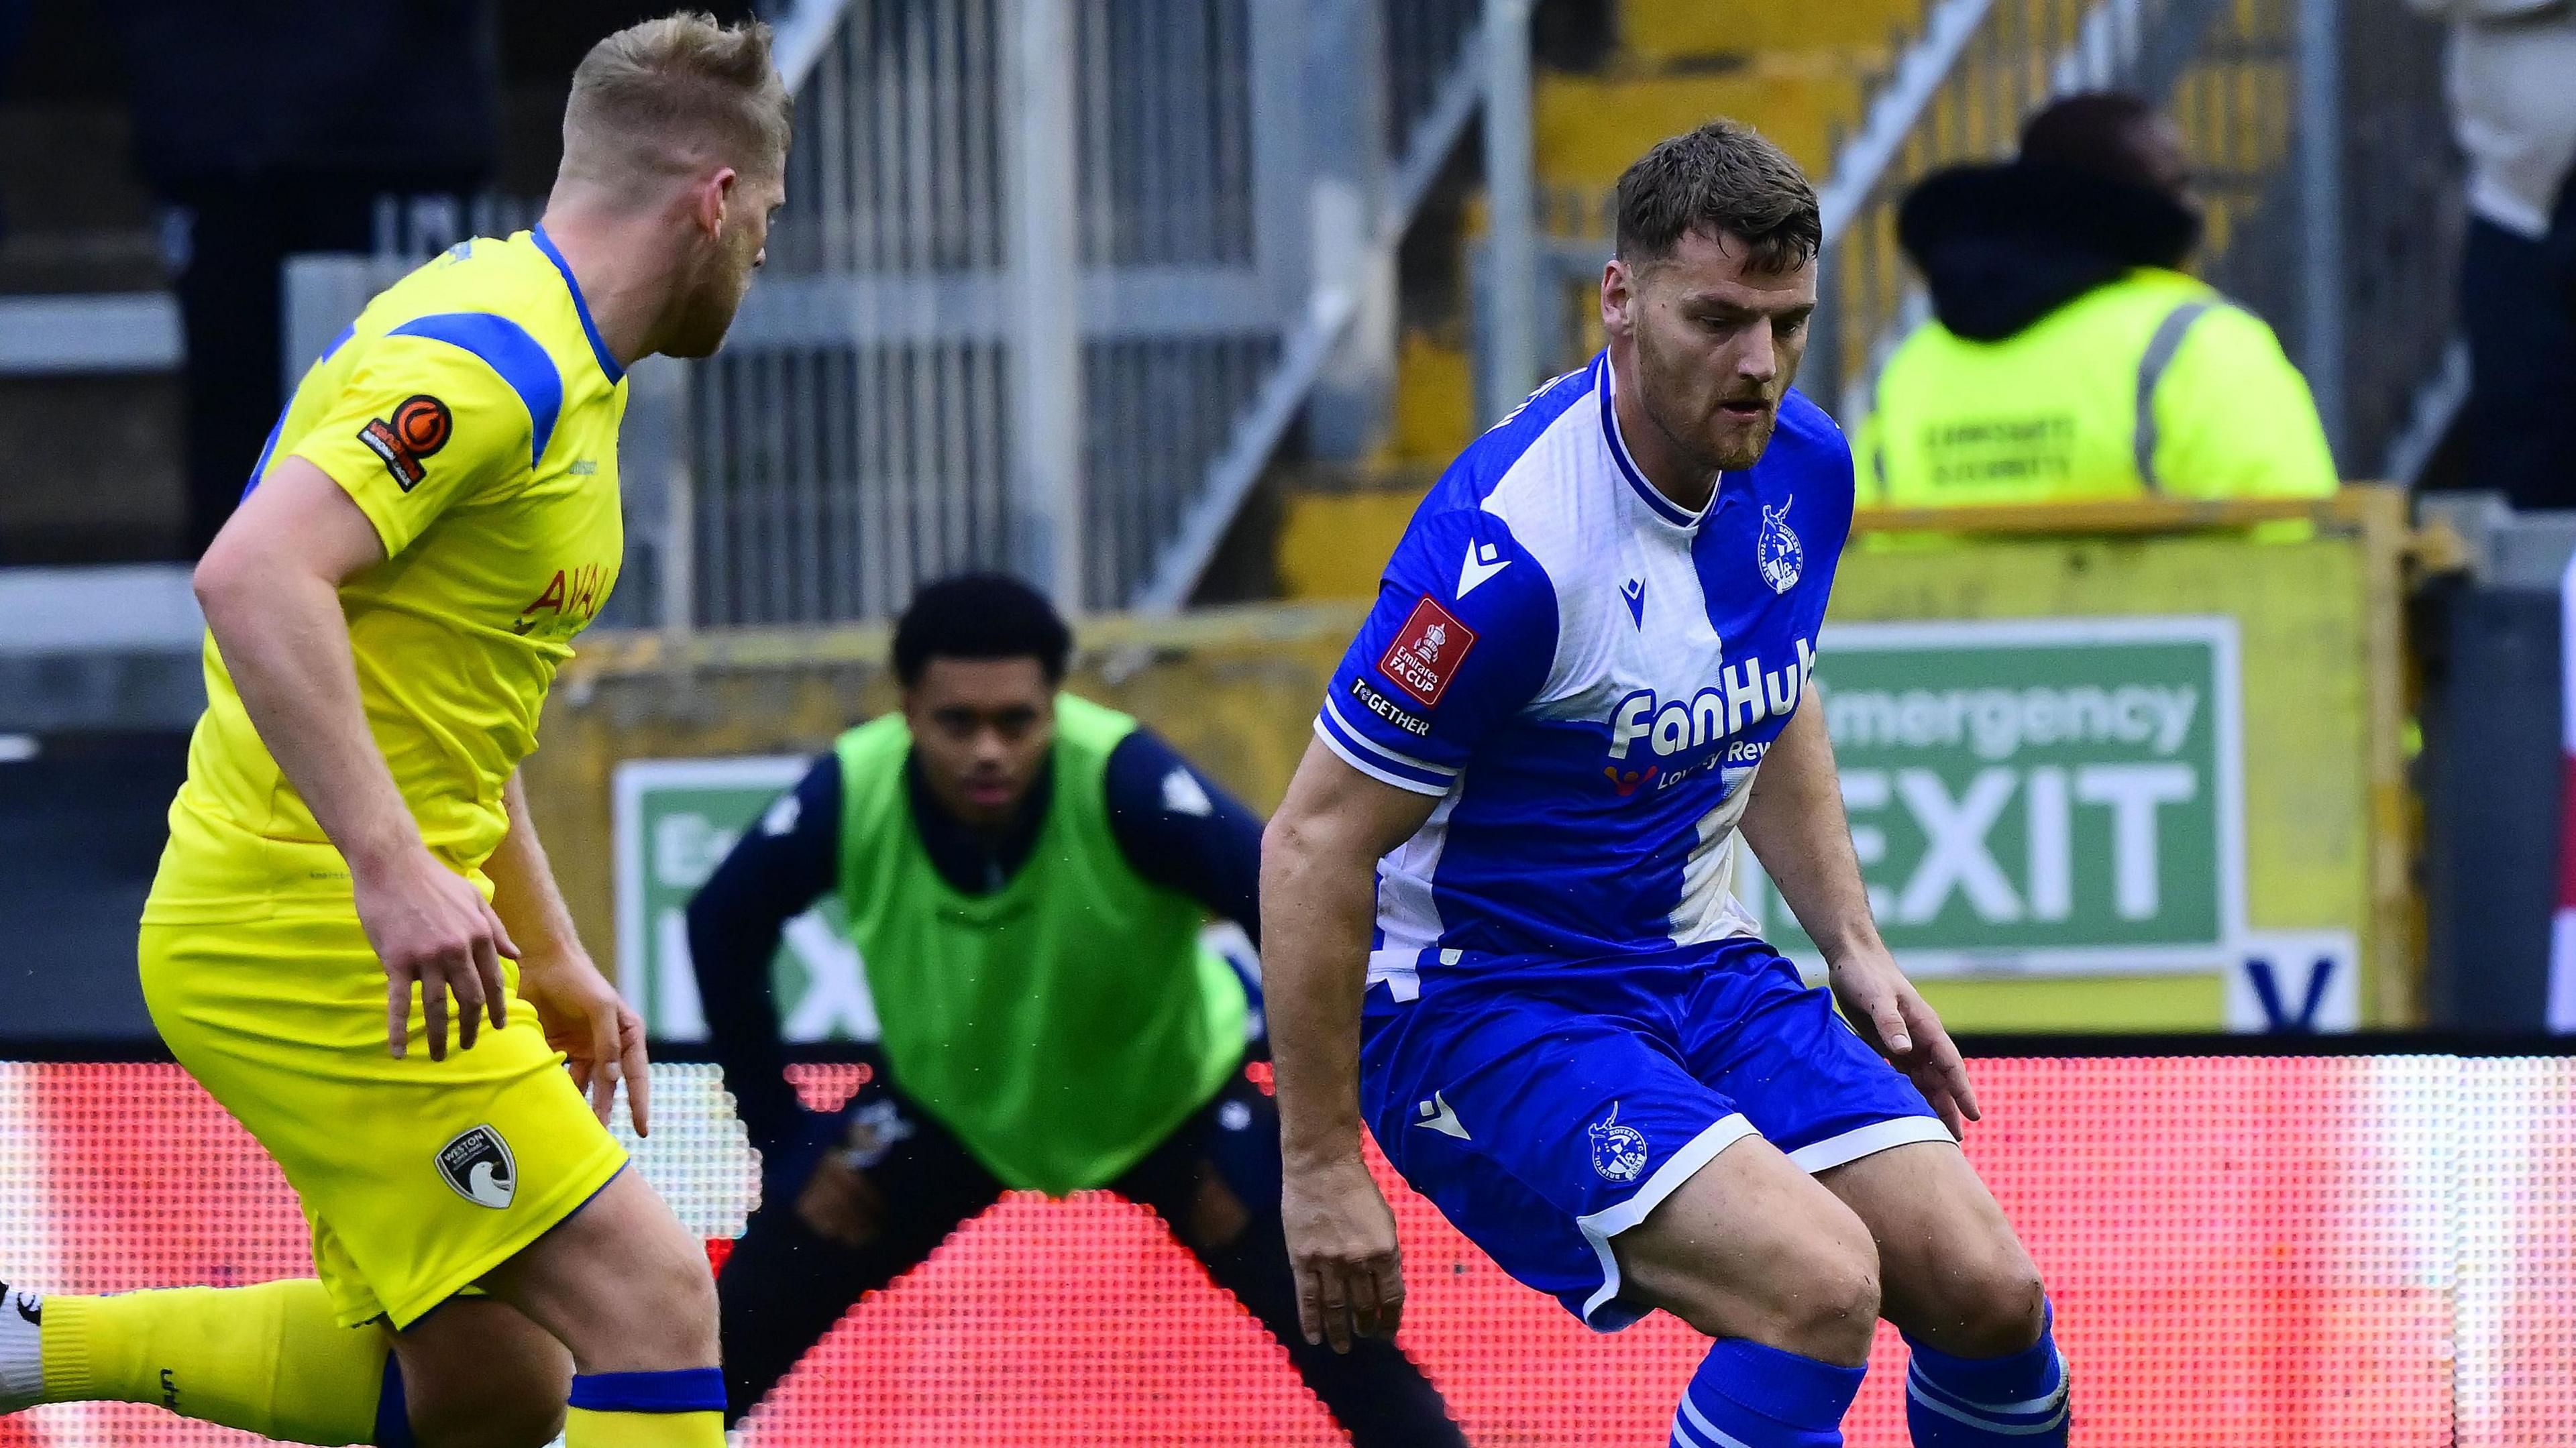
(2003, 246)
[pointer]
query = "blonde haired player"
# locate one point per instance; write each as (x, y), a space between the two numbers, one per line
(433, 520)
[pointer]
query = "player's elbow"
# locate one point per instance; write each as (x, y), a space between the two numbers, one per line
(222, 578)
(1292, 845)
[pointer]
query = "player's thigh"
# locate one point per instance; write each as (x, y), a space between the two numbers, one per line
(1553, 1124)
(477, 1373)
(1752, 1246)
(620, 1282)
(1776, 1047)
(418, 1176)
(1953, 1274)
(1217, 1176)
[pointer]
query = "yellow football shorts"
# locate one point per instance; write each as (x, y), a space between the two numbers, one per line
(418, 1176)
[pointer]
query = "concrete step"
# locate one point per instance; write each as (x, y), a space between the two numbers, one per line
(1656, 32)
(1435, 400)
(1589, 128)
(1337, 531)
(77, 219)
(91, 468)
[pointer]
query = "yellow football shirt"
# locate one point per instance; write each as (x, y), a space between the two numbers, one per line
(471, 411)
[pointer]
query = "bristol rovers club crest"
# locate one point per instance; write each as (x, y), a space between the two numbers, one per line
(1618, 1152)
(1776, 550)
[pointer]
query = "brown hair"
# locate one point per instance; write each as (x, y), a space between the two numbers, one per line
(1724, 177)
(680, 86)
(2109, 134)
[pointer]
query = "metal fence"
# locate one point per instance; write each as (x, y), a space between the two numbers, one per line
(1052, 278)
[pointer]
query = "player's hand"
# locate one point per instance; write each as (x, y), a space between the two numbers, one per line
(431, 927)
(1883, 1006)
(598, 1032)
(1341, 1246)
(839, 1203)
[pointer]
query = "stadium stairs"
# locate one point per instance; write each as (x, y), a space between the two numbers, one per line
(89, 459)
(1799, 72)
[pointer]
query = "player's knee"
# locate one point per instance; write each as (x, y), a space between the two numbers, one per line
(1994, 1306)
(654, 1310)
(1815, 1293)
(1824, 1302)
(685, 1303)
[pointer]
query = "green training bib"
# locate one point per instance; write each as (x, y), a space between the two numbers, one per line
(1061, 1026)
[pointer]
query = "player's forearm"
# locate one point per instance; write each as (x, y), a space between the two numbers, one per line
(1796, 826)
(285, 642)
(524, 892)
(1316, 904)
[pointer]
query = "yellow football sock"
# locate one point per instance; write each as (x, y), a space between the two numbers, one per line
(584, 1428)
(682, 1409)
(271, 1359)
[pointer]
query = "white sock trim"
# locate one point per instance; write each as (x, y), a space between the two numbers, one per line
(22, 1351)
(1987, 1425)
(2054, 1397)
(1717, 1437)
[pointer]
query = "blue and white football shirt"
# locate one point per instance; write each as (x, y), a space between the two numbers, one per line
(1586, 676)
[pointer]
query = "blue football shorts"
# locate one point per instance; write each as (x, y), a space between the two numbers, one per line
(1547, 1106)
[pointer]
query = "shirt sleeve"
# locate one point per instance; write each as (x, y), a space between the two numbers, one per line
(422, 424)
(777, 870)
(2235, 419)
(1461, 639)
(1179, 829)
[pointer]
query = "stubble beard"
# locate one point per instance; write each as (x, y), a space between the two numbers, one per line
(1707, 452)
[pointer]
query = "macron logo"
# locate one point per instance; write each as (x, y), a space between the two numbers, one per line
(1437, 1114)
(1484, 560)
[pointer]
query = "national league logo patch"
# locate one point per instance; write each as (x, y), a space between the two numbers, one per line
(477, 1164)
(1427, 651)
(418, 428)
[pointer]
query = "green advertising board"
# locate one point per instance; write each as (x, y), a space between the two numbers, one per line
(2039, 796)
(676, 819)
(2054, 802)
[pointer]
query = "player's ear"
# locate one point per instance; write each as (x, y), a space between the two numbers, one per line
(1618, 298)
(717, 194)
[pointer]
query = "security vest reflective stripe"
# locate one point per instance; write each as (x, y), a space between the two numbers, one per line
(2151, 370)
(2097, 400)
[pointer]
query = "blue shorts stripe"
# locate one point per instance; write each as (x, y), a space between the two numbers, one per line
(507, 349)
(683, 1390)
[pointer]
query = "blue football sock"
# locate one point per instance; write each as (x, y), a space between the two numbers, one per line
(1955, 1402)
(1746, 1395)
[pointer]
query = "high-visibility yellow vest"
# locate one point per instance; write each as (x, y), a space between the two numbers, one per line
(2149, 385)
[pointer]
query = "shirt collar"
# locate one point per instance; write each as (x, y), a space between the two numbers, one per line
(1607, 385)
(972, 863)
(580, 305)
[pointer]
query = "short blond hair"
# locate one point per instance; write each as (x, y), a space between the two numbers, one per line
(668, 93)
